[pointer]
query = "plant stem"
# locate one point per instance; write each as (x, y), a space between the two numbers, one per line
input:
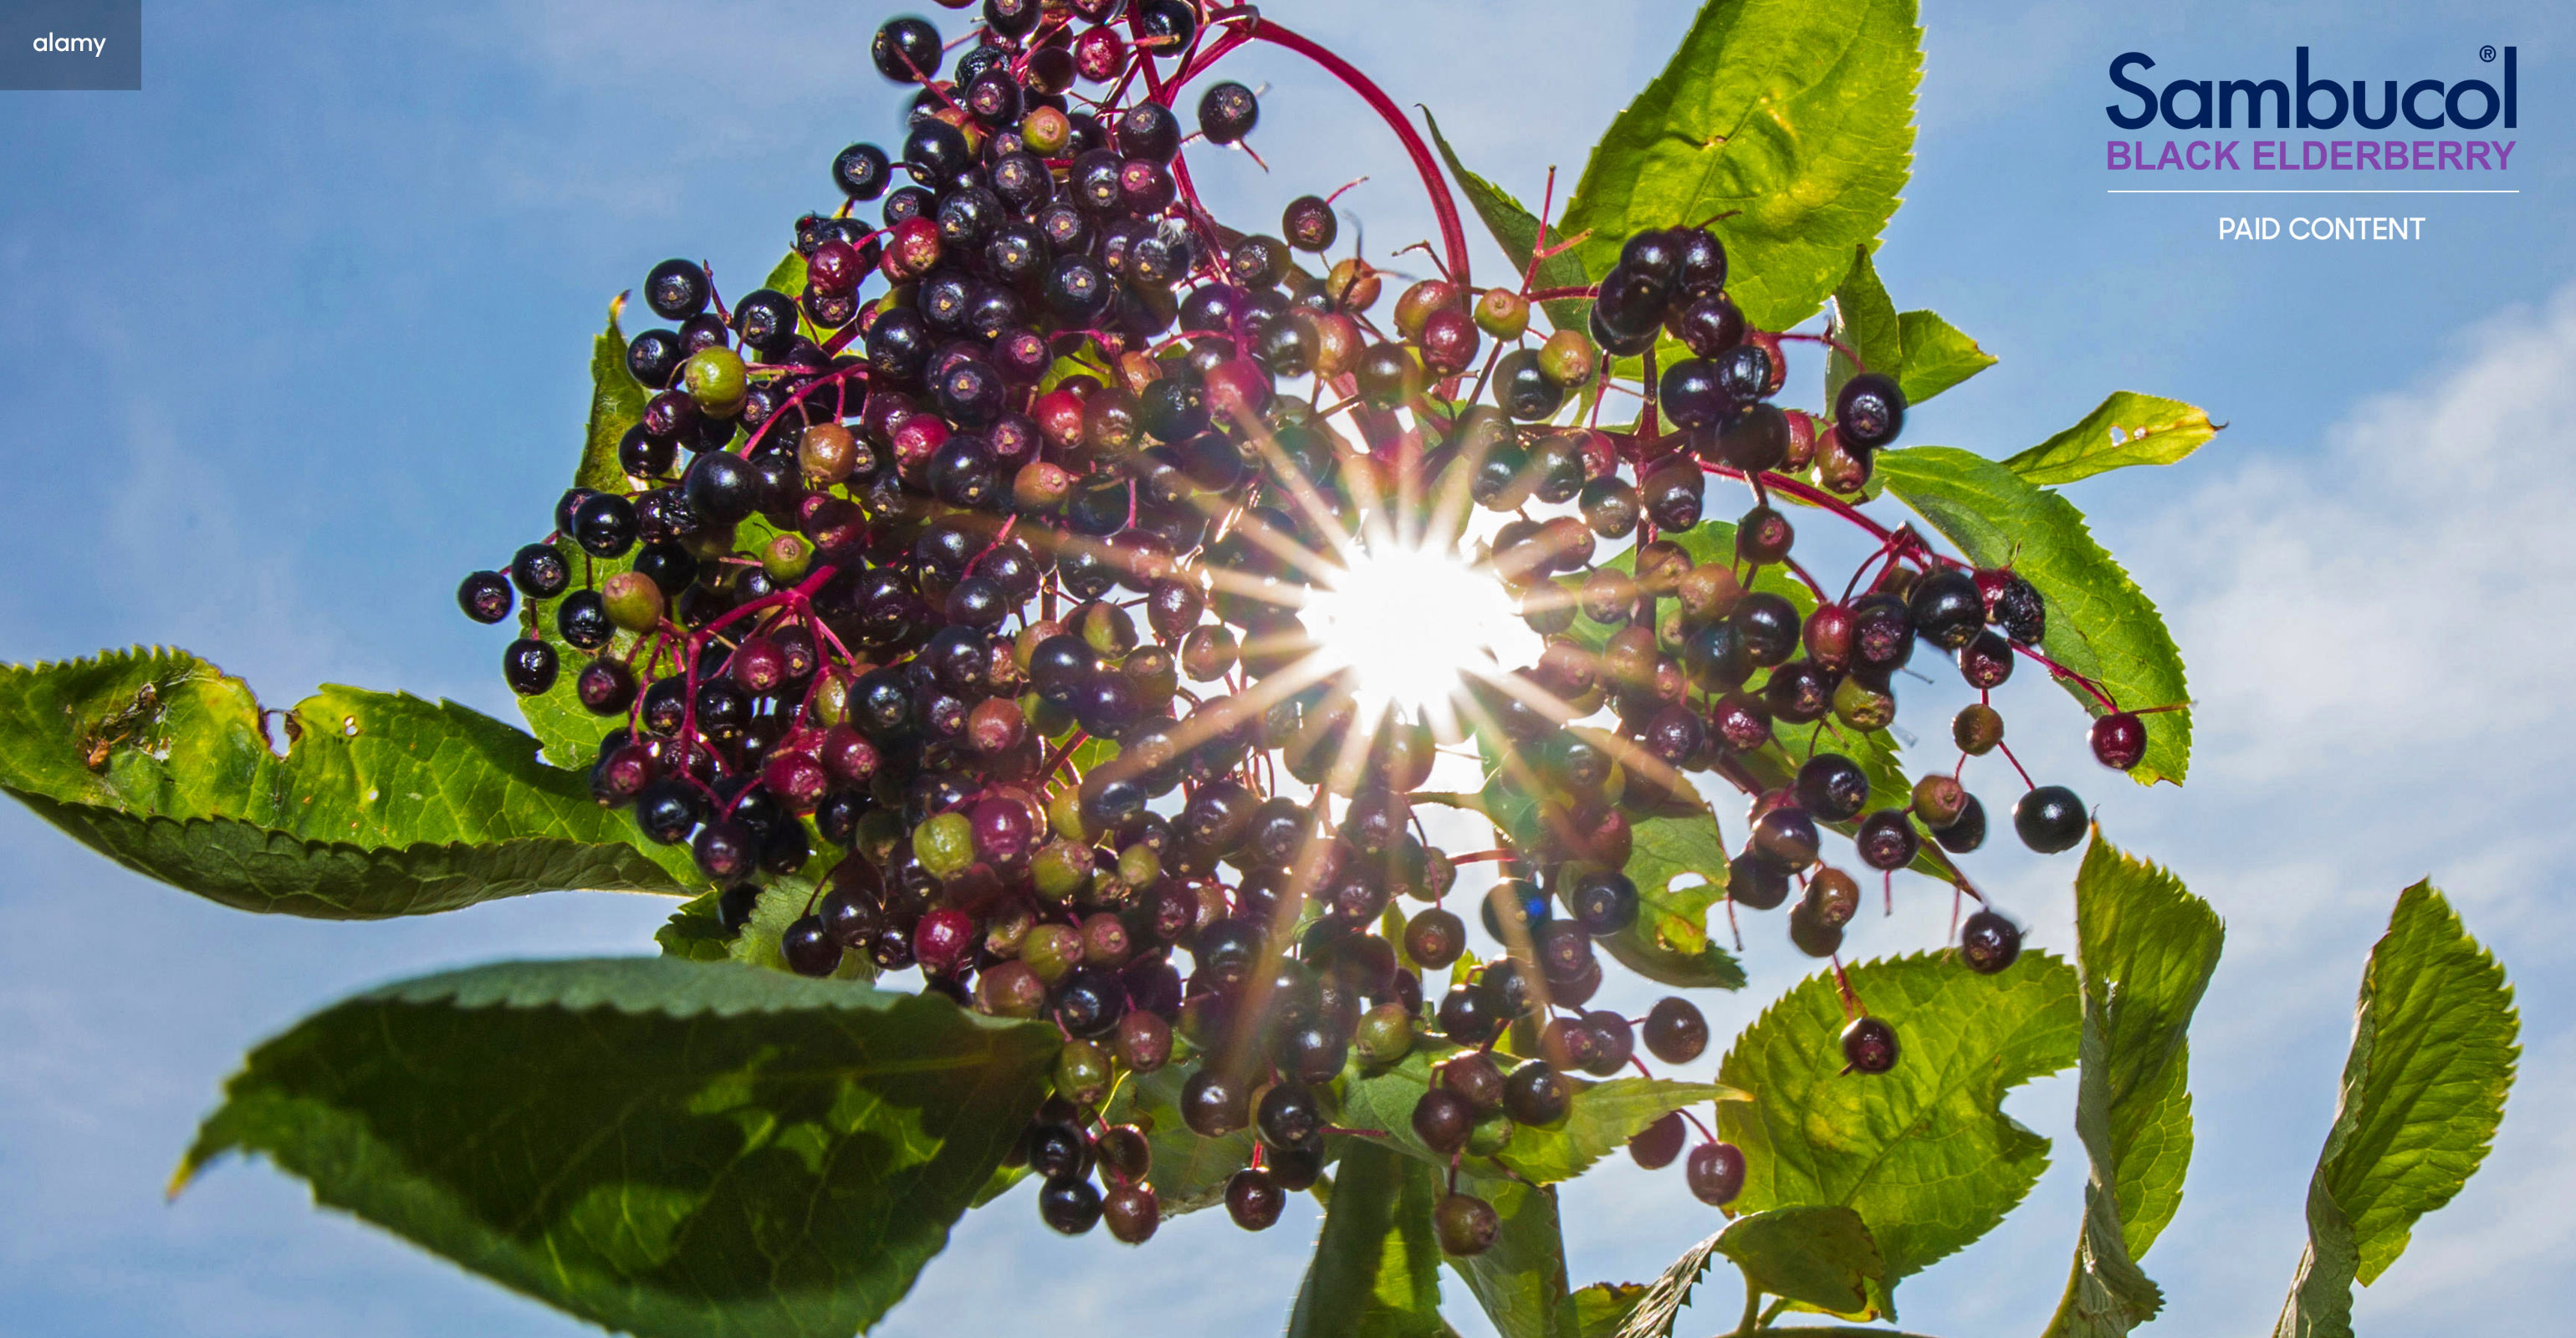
(1453, 235)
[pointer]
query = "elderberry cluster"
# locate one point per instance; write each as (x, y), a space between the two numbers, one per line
(864, 611)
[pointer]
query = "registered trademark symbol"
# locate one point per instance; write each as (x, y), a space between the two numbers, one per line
(2487, 54)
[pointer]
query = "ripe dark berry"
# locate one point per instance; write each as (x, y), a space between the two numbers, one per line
(766, 320)
(1442, 1119)
(1988, 943)
(676, 290)
(1071, 1206)
(1655, 1146)
(606, 687)
(1788, 835)
(1227, 112)
(1148, 130)
(1466, 1224)
(907, 50)
(1628, 308)
(2119, 740)
(1676, 1031)
(1809, 931)
(604, 525)
(1475, 1079)
(528, 665)
(1869, 1046)
(1832, 787)
(666, 811)
(1537, 1095)
(1753, 436)
(1986, 661)
(862, 171)
(1691, 395)
(1468, 1016)
(2020, 611)
(1132, 1212)
(1886, 840)
(1967, 832)
(485, 596)
(2049, 819)
(1946, 608)
(1289, 1119)
(653, 357)
(1708, 325)
(1869, 411)
(1602, 900)
(1614, 1043)
(722, 487)
(1434, 938)
(540, 571)
(809, 948)
(1756, 881)
(1253, 1200)
(1715, 1173)
(1212, 1105)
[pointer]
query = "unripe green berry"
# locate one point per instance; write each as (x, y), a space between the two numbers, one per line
(1502, 313)
(1938, 800)
(634, 602)
(1062, 870)
(1082, 1073)
(1568, 358)
(1107, 628)
(714, 377)
(787, 557)
(1139, 867)
(1045, 131)
(1977, 729)
(1052, 951)
(1385, 1034)
(1862, 707)
(945, 844)
(1492, 1134)
(1064, 814)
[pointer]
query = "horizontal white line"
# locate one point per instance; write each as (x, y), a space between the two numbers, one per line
(2312, 192)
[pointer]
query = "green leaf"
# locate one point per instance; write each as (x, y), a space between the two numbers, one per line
(1604, 1117)
(1189, 1172)
(2126, 429)
(1515, 230)
(556, 716)
(2100, 624)
(1602, 1308)
(1924, 1153)
(2146, 950)
(383, 804)
(1661, 1304)
(788, 276)
(2433, 1052)
(616, 404)
(1865, 321)
(1520, 1280)
(656, 1146)
(1821, 1255)
(1786, 126)
(1937, 356)
(1669, 943)
(1376, 1271)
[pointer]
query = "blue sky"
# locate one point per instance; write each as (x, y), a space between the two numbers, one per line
(297, 335)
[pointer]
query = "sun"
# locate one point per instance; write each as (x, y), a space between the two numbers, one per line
(1410, 623)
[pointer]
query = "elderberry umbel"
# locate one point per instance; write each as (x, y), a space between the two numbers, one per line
(950, 599)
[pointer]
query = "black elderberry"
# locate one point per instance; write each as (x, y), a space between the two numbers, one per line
(1676, 1032)
(485, 596)
(1655, 1146)
(2020, 611)
(1869, 411)
(907, 50)
(1966, 832)
(1946, 608)
(604, 525)
(1071, 1206)
(653, 357)
(1537, 1095)
(1756, 881)
(582, 620)
(1832, 787)
(1289, 1119)
(1691, 396)
(528, 665)
(1309, 224)
(1747, 372)
(1227, 112)
(1887, 840)
(540, 572)
(809, 948)
(676, 290)
(1253, 1199)
(766, 320)
(1988, 943)
(1715, 1173)
(1869, 1045)
(1148, 131)
(2049, 819)
(862, 171)
(2119, 740)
